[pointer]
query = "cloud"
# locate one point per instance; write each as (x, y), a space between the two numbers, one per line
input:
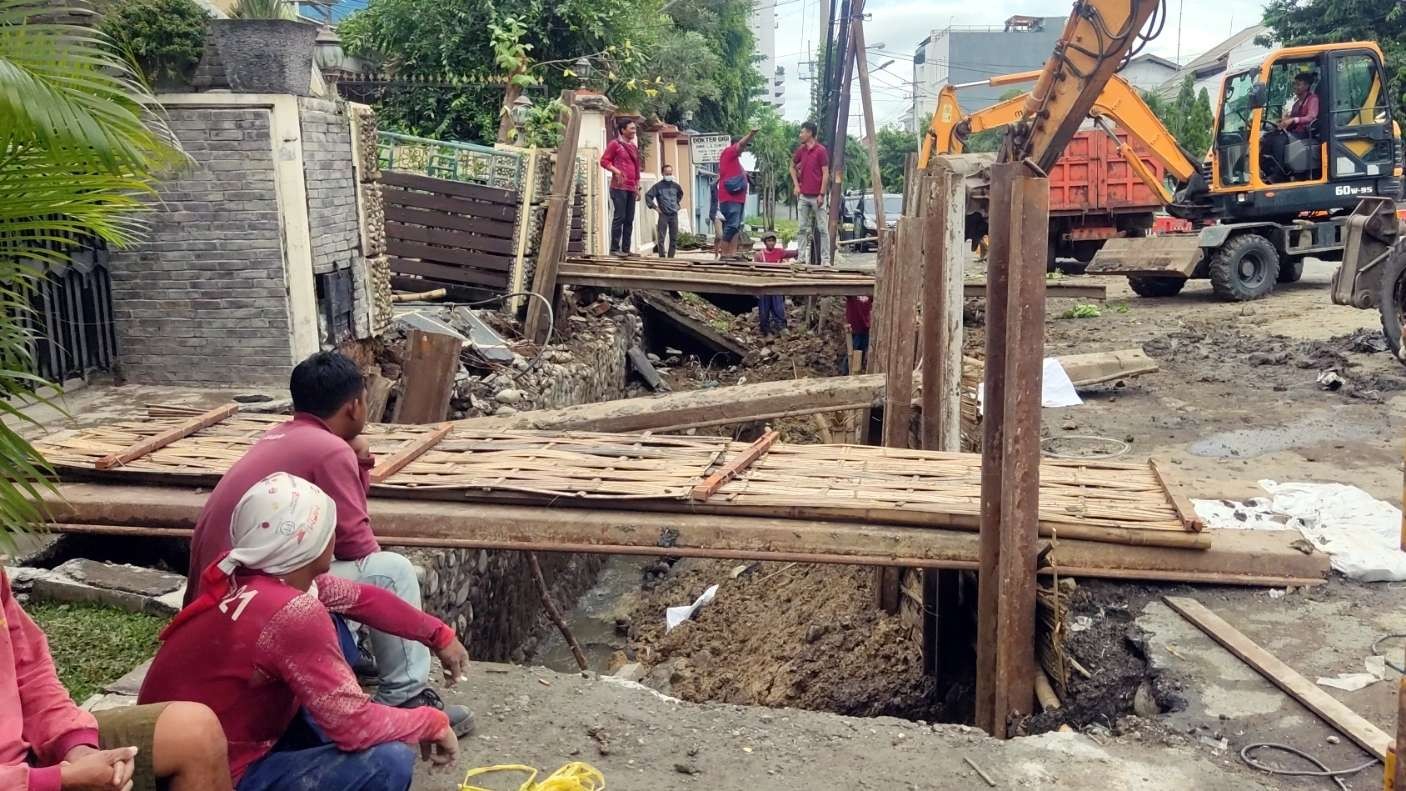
(900, 24)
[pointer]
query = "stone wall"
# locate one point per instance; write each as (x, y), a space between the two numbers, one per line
(202, 301)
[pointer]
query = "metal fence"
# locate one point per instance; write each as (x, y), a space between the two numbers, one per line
(443, 159)
(70, 321)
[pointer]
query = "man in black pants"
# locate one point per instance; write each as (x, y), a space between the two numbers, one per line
(665, 197)
(622, 159)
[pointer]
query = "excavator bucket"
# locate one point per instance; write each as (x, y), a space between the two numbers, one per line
(1149, 256)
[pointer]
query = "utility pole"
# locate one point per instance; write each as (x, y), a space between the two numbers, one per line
(841, 129)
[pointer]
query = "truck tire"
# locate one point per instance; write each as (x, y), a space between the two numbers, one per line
(1291, 269)
(1244, 268)
(1156, 286)
(1391, 300)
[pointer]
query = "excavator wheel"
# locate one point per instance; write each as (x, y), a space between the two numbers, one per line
(1391, 300)
(1245, 268)
(1156, 286)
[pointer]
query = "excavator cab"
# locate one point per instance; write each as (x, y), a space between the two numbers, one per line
(1270, 162)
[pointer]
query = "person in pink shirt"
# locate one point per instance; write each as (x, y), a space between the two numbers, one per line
(323, 444)
(732, 192)
(1297, 124)
(258, 646)
(49, 744)
(771, 308)
(622, 159)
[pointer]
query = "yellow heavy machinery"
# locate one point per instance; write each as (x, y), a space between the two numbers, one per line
(1267, 199)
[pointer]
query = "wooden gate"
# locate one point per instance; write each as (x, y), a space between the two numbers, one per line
(449, 232)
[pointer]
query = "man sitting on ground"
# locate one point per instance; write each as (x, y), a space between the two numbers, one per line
(323, 444)
(49, 744)
(259, 645)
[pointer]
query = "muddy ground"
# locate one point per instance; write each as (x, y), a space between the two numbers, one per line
(1236, 400)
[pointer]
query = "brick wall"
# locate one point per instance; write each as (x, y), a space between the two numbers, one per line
(331, 185)
(203, 299)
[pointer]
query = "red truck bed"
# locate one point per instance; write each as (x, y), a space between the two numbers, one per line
(1091, 177)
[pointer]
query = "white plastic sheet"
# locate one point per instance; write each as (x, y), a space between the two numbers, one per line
(1057, 389)
(1361, 533)
(674, 616)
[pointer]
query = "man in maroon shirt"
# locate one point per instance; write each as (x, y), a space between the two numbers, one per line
(323, 444)
(622, 159)
(732, 191)
(810, 173)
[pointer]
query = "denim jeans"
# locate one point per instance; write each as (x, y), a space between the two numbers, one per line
(732, 219)
(771, 309)
(404, 665)
(811, 214)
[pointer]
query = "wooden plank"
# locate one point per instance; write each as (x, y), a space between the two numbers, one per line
(1397, 761)
(378, 392)
(735, 466)
(876, 180)
(1348, 722)
(640, 362)
(409, 452)
(447, 238)
(1239, 557)
(679, 315)
(446, 273)
(1099, 367)
(448, 204)
(554, 226)
(136, 451)
(461, 189)
(448, 255)
(944, 254)
(1010, 481)
(901, 320)
(431, 362)
(481, 225)
(1185, 510)
(518, 281)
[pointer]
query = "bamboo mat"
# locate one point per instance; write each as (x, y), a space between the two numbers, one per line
(1122, 503)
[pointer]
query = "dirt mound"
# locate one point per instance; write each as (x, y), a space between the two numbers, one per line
(801, 636)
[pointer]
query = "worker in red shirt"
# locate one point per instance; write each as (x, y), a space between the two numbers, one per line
(323, 444)
(622, 159)
(771, 308)
(810, 173)
(858, 314)
(732, 191)
(259, 647)
(47, 743)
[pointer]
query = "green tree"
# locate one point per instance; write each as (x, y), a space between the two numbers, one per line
(725, 25)
(1188, 117)
(165, 37)
(1298, 22)
(989, 142)
(895, 144)
(775, 141)
(81, 150)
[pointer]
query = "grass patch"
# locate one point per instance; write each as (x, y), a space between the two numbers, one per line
(93, 646)
(1082, 311)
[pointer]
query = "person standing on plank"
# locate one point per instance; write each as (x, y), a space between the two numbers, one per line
(810, 172)
(665, 197)
(323, 444)
(732, 191)
(858, 314)
(622, 159)
(47, 743)
(260, 648)
(771, 308)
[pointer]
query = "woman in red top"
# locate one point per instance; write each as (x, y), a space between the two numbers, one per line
(260, 649)
(732, 191)
(622, 159)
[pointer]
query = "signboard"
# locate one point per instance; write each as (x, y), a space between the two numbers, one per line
(708, 149)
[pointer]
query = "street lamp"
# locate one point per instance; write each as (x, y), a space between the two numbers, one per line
(521, 109)
(583, 69)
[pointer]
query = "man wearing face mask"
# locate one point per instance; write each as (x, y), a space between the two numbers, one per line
(665, 197)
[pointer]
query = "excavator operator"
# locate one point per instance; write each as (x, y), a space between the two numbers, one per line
(1296, 125)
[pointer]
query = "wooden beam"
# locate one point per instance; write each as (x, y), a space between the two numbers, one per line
(679, 314)
(1100, 367)
(378, 392)
(1010, 480)
(1396, 760)
(876, 181)
(553, 242)
(1184, 508)
(640, 362)
(431, 363)
(1237, 557)
(409, 452)
(1351, 724)
(185, 429)
(517, 280)
(944, 257)
(900, 339)
(735, 466)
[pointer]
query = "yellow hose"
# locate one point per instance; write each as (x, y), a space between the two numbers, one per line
(572, 777)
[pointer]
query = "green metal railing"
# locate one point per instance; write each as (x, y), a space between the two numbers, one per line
(450, 160)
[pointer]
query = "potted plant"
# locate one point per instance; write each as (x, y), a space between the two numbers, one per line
(265, 48)
(164, 37)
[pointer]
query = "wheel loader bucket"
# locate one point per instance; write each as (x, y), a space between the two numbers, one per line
(1373, 231)
(1150, 256)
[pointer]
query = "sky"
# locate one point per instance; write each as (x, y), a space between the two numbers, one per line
(900, 24)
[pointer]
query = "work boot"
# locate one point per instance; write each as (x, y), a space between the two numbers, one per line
(461, 720)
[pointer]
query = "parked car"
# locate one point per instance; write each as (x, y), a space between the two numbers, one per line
(863, 223)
